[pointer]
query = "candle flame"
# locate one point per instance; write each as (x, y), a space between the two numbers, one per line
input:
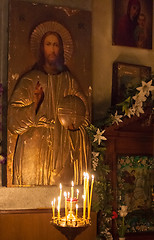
(83, 196)
(65, 194)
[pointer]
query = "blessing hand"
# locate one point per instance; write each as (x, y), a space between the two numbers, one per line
(38, 96)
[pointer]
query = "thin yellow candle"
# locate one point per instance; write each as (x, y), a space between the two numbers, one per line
(65, 195)
(68, 194)
(58, 208)
(88, 189)
(58, 217)
(53, 207)
(77, 193)
(89, 207)
(76, 211)
(60, 186)
(72, 190)
(71, 205)
(75, 171)
(84, 210)
(84, 183)
(85, 193)
(53, 210)
(54, 201)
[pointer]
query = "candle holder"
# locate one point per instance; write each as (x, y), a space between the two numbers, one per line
(71, 224)
(70, 232)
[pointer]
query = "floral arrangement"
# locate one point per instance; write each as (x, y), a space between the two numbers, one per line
(137, 101)
(121, 225)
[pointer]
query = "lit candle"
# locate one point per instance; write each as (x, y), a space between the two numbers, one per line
(84, 184)
(76, 211)
(77, 193)
(88, 188)
(72, 190)
(75, 171)
(84, 210)
(71, 205)
(85, 192)
(53, 207)
(53, 210)
(89, 207)
(58, 208)
(68, 194)
(65, 195)
(60, 186)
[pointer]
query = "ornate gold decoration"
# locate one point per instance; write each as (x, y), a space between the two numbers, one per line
(53, 26)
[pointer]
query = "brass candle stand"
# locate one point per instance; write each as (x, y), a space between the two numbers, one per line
(71, 224)
(70, 232)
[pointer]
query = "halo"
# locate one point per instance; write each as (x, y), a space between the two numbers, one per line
(42, 28)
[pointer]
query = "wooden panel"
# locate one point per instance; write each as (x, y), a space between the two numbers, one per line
(36, 226)
(134, 145)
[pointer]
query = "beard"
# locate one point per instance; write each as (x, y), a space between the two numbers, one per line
(52, 59)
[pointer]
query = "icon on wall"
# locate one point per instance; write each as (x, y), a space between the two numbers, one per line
(127, 77)
(132, 23)
(53, 37)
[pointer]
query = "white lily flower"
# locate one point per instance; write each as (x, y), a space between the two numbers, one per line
(95, 154)
(123, 212)
(124, 208)
(137, 108)
(95, 160)
(98, 137)
(95, 163)
(140, 97)
(146, 88)
(116, 118)
(130, 112)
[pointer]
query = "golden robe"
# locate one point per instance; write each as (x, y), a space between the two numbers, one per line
(46, 153)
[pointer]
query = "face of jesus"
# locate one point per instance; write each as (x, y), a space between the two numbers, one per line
(51, 49)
